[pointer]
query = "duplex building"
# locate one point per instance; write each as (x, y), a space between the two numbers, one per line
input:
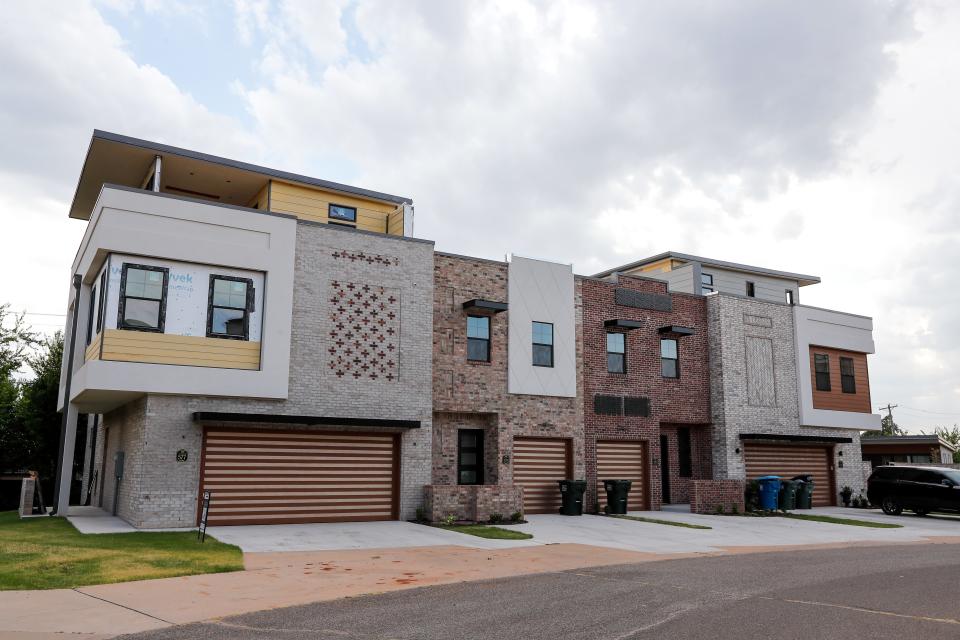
(284, 344)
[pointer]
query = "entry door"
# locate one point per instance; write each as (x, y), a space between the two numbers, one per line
(470, 456)
(665, 469)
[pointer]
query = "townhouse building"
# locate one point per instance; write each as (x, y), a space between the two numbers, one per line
(283, 344)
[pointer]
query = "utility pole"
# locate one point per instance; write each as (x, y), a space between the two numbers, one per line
(889, 409)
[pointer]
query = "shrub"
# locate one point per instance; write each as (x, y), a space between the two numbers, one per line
(516, 516)
(751, 496)
(421, 514)
(719, 509)
(495, 518)
(734, 509)
(450, 520)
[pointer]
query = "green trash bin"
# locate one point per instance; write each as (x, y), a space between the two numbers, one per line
(617, 492)
(571, 494)
(804, 491)
(788, 495)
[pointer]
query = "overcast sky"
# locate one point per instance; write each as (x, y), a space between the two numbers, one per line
(816, 137)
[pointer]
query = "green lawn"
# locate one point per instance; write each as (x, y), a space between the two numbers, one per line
(848, 521)
(672, 523)
(483, 531)
(48, 553)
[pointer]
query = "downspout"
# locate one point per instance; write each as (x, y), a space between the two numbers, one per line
(66, 393)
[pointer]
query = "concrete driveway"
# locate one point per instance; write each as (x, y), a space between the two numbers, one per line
(350, 535)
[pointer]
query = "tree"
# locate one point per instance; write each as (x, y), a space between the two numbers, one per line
(887, 428)
(16, 341)
(37, 408)
(951, 435)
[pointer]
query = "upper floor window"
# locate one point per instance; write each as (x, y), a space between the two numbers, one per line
(616, 353)
(669, 358)
(542, 344)
(341, 213)
(789, 296)
(848, 383)
(228, 307)
(101, 300)
(751, 290)
(821, 369)
(706, 282)
(90, 315)
(478, 338)
(143, 297)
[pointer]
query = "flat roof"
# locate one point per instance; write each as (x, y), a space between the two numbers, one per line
(119, 159)
(915, 439)
(802, 279)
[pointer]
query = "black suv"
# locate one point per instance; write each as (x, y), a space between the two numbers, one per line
(920, 489)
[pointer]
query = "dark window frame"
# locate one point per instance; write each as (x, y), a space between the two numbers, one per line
(553, 339)
(622, 354)
(788, 296)
(846, 378)
(478, 466)
(821, 377)
(684, 452)
(706, 283)
(675, 360)
(91, 315)
(102, 301)
(474, 339)
(751, 289)
(338, 219)
(247, 309)
(161, 314)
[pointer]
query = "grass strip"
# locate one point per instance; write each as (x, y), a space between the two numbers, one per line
(49, 553)
(848, 521)
(483, 531)
(671, 523)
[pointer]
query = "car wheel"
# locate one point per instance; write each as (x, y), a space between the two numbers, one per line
(921, 512)
(891, 507)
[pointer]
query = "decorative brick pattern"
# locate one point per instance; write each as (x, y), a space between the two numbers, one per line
(712, 496)
(369, 258)
(364, 331)
(472, 503)
(683, 401)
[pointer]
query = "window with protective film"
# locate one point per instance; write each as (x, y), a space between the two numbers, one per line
(229, 307)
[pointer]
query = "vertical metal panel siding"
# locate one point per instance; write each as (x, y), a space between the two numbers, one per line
(788, 461)
(538, 463)
(623, 460)
(279, 477)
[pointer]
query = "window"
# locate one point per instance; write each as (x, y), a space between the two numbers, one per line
(342, 213)
(616, 353)
(669, 358)
(470, 456)
(789, 296)
(751, 290)
(229, 303)
(101, 299)
(685, 462)
(90, 315)
(821, 368)
(706, 283)
(542, 344)
(143, 297)
(848, 383)
(478, 338)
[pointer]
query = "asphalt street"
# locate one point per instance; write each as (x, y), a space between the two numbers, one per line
(908, 591)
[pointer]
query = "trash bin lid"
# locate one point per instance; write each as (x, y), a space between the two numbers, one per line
(768, 478)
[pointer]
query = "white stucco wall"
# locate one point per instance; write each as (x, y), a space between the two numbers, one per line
(540, 291)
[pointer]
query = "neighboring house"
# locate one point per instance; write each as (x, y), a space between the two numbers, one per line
(646, 389)
(789, 389)
(507, 419)
(882, 450)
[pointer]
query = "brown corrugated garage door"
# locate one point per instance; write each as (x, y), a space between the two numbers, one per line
(538, 463)
(623, 460)
(788, 461)
(283, 477)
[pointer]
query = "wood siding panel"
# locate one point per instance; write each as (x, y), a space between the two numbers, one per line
(836, 399)
(163, 348)
(93, 349)
(271, 477)
(623, 460)
(395, 222)
(538, 464)
(313, 204)
(788, 461)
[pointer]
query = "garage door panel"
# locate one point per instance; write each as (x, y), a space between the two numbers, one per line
(266, 477)
(623, 460)
(788, 461)
(538, 464)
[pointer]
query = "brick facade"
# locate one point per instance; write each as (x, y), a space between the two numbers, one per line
(711, 496)
(684, 401)
(474, 395)
(471, 503)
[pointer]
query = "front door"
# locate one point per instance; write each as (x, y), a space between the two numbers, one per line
(470, 456)
(665, 469)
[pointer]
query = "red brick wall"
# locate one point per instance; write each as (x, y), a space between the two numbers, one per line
(700, 455)
(472, 503)
(474, 395)
(707, 495)
(684, 401)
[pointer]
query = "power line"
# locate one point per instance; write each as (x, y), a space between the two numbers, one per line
(889, 409)
(942, 413)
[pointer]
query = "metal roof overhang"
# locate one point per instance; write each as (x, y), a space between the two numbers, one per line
(793, 438)
(484, 306)
(618, 323)
(278, 418)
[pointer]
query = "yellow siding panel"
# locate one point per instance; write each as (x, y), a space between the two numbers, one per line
(261, 200)
(310, 203)
(163, 348)
(395, 222)
(93, 349)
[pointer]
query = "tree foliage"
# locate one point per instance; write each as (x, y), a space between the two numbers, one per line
(887, 428)
(951, 435)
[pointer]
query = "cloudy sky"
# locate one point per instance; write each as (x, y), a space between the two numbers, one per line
(817, 137)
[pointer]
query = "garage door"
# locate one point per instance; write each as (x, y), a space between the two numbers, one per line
(280, 477)
(788, 461)
(623, 461)
(538, 463)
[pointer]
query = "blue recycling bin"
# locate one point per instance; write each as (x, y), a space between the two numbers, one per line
(769, 492)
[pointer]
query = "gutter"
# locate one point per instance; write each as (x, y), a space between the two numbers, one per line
(66, 394)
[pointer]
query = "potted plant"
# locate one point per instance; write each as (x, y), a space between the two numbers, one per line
(845, 494)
